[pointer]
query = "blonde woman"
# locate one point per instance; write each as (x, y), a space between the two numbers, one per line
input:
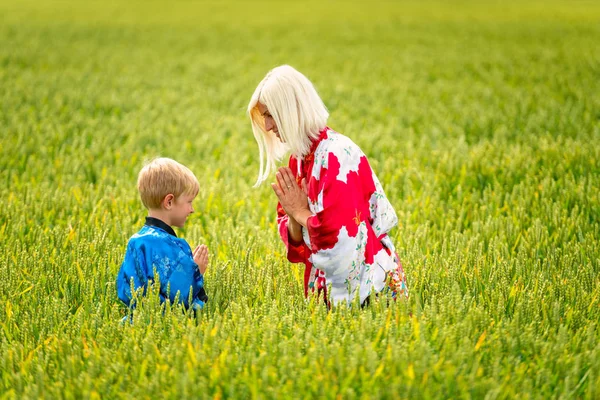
(333, 215)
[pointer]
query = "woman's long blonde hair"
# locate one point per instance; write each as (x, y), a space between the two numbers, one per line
(297, 110)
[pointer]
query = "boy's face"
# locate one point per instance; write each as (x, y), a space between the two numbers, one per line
(182, 207)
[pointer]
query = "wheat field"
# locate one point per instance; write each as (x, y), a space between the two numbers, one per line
(481, 119)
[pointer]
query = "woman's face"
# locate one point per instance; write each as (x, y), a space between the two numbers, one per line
(270, 124)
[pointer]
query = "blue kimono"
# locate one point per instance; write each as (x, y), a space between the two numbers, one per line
(157, 247)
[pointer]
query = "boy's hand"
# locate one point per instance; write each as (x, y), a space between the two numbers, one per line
(201, 257)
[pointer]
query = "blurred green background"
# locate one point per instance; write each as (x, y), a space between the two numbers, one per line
(481, 119)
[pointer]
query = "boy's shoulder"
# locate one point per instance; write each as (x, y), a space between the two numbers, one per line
(158, 241)
(150, 235)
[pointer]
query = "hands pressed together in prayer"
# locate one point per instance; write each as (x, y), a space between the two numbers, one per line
(293, 198)
(201, 257)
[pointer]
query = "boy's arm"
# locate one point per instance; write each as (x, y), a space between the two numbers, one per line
(133, 267)
(178, 274)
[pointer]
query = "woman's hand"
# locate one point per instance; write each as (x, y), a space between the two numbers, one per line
(201, 258)
(292, 198)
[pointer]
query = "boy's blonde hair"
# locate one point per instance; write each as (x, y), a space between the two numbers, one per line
(163, 176)
(297, 110)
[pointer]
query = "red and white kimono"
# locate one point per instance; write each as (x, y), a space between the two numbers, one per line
(346, 244)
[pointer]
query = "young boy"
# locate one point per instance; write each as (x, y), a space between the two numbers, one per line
(167, 190)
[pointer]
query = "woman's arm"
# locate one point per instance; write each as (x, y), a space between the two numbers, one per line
(294, 230)
(297, 251)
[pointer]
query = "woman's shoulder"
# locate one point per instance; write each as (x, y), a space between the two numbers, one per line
(339, 145)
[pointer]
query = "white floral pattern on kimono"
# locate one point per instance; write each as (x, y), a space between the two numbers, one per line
(346, 244)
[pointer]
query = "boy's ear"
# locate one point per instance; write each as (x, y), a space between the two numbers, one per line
(168, 201)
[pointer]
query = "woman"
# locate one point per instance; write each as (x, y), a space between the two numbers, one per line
(333, 215)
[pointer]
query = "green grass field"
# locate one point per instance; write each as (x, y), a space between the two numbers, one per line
(481, 119)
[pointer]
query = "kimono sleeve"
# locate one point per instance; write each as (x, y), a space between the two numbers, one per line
(134, 268)
(297, 252)
(179, 274)
(187, 285)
